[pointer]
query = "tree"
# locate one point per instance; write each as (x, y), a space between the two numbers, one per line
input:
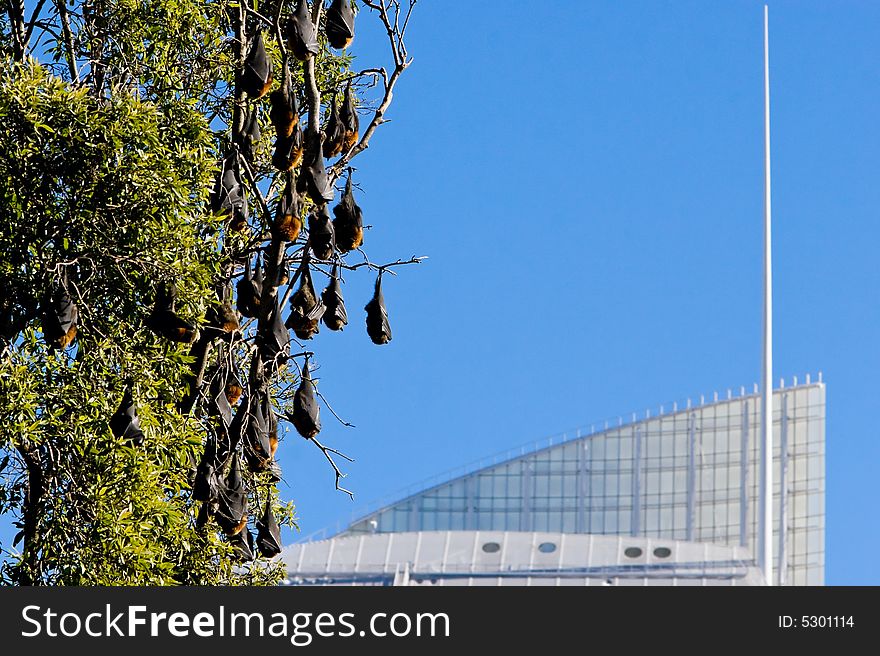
(163, 202)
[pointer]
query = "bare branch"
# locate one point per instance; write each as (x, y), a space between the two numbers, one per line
(258, 15)
(381, 267)
(313, 94)
(249, 174)
(401, 63)
(339, 475)
(332, 411)
(278, 33)
(33, 21)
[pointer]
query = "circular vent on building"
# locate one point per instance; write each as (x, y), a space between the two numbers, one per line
(546, 547)
(632, 552)
(662, 552)
(491, 547)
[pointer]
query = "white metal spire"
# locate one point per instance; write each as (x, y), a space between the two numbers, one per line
(765, 540)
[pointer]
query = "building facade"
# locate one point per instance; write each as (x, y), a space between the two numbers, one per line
(689, 476)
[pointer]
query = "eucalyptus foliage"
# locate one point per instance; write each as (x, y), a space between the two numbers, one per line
(115, 116)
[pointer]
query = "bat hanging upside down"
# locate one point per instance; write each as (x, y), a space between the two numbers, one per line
(306, 309)
(125, 423)
(249, 289)
(301, 36)
(284, 108)
(322, 237)
(378, 327)
(340, 24)
(164, 321)
(60, 318)
(232, 508)
(336, 317)
(287, 224)
(268, 533)
(348, 226)
(256, 79)
(334, 132)
(348, 118)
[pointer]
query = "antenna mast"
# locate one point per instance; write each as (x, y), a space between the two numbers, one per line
(766, 493)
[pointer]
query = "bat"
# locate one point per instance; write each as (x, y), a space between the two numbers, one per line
(256, 78)
(306, 415)
(313, 177)
(284, 271)
(334, 132)
(232, 507)
(125, 424)
(322, 237)
(206, 485)
(348, 118)
(378, 327)
(288, 153)
(273, 434)
(234, 434)
(257, 445)
(340, 24)
(283, 107)
(306, 309)
(335, 318)
(204, 516)
(301, 35)
(219, 401)
(242, 542)
(349, 222)
(251, 136)
(275, 338)
(233, 387)
(221, 317)
(249, 290)
(268, 533)
(60, 318)
(228, 197)
(288, 223)
(164, 321)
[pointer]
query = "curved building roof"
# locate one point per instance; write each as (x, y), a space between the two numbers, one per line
(689, 475)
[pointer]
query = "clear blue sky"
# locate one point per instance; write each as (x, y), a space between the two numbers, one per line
(587, 180)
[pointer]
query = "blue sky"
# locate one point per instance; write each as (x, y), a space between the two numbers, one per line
(587, 180)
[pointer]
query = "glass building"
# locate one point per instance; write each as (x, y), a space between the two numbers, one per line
(689, 475)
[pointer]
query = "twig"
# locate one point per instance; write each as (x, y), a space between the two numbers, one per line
(258, 15)
(249, 174)
(330, 408)
(326, 450)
